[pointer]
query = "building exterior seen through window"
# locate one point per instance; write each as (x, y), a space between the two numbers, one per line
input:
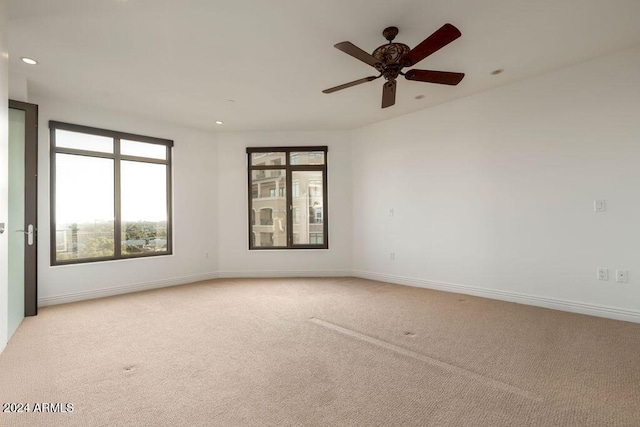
(110, 195)
(288, 198)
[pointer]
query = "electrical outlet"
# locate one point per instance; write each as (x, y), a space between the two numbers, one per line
(393, 256)
(622, 276)
(599, 205)
(391, 213)
(603, 273)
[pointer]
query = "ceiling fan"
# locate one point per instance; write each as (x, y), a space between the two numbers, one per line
(389, 59)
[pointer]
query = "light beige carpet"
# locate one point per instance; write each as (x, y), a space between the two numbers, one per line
(325, 352)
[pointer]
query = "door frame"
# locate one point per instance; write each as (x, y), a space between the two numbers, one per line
(31, 204)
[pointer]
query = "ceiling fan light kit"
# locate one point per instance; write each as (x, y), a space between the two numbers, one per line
(389, 60)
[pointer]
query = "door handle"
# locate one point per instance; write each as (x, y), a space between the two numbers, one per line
(29, 233)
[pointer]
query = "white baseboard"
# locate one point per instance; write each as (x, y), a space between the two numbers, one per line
(136, 287)
(283, 273)
(124, 289)
(553, 303)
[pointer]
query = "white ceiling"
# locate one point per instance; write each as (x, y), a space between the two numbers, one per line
(183, 60)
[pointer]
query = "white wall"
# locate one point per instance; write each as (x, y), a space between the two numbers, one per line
(195, 210)
(18, 87)
(495, 192)
(4, 172)
(235, 260)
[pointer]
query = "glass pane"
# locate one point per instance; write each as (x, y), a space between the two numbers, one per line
(15, 221)
(143, 190)
(84, 207)
(307, 158)
(83, 141)
(267, 159)
(308, 207)
(143, 149)
(268, 208)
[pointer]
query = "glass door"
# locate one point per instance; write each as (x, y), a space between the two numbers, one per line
(15, 223)
(21, 221)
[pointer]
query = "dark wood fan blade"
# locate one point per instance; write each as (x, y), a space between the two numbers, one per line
(436, 41)
(441, 77)
(353, 83)
(389, 94)
(353, 50)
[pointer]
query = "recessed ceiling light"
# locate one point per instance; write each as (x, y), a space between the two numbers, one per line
(496, 72)
(219, 122)
(29, 61)
(418, 96)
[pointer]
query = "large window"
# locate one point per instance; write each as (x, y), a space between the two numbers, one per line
(110, 195)
(288, 198)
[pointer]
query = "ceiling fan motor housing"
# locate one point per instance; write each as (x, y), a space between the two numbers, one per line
(391, 53)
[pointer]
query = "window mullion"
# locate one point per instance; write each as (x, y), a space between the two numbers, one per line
(325, 207)
(117, 226)
(53, 198)
(169, 201)
(250, 189)
(289, 204)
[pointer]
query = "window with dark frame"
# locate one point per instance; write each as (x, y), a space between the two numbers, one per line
(110, 195)
(287, 197)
